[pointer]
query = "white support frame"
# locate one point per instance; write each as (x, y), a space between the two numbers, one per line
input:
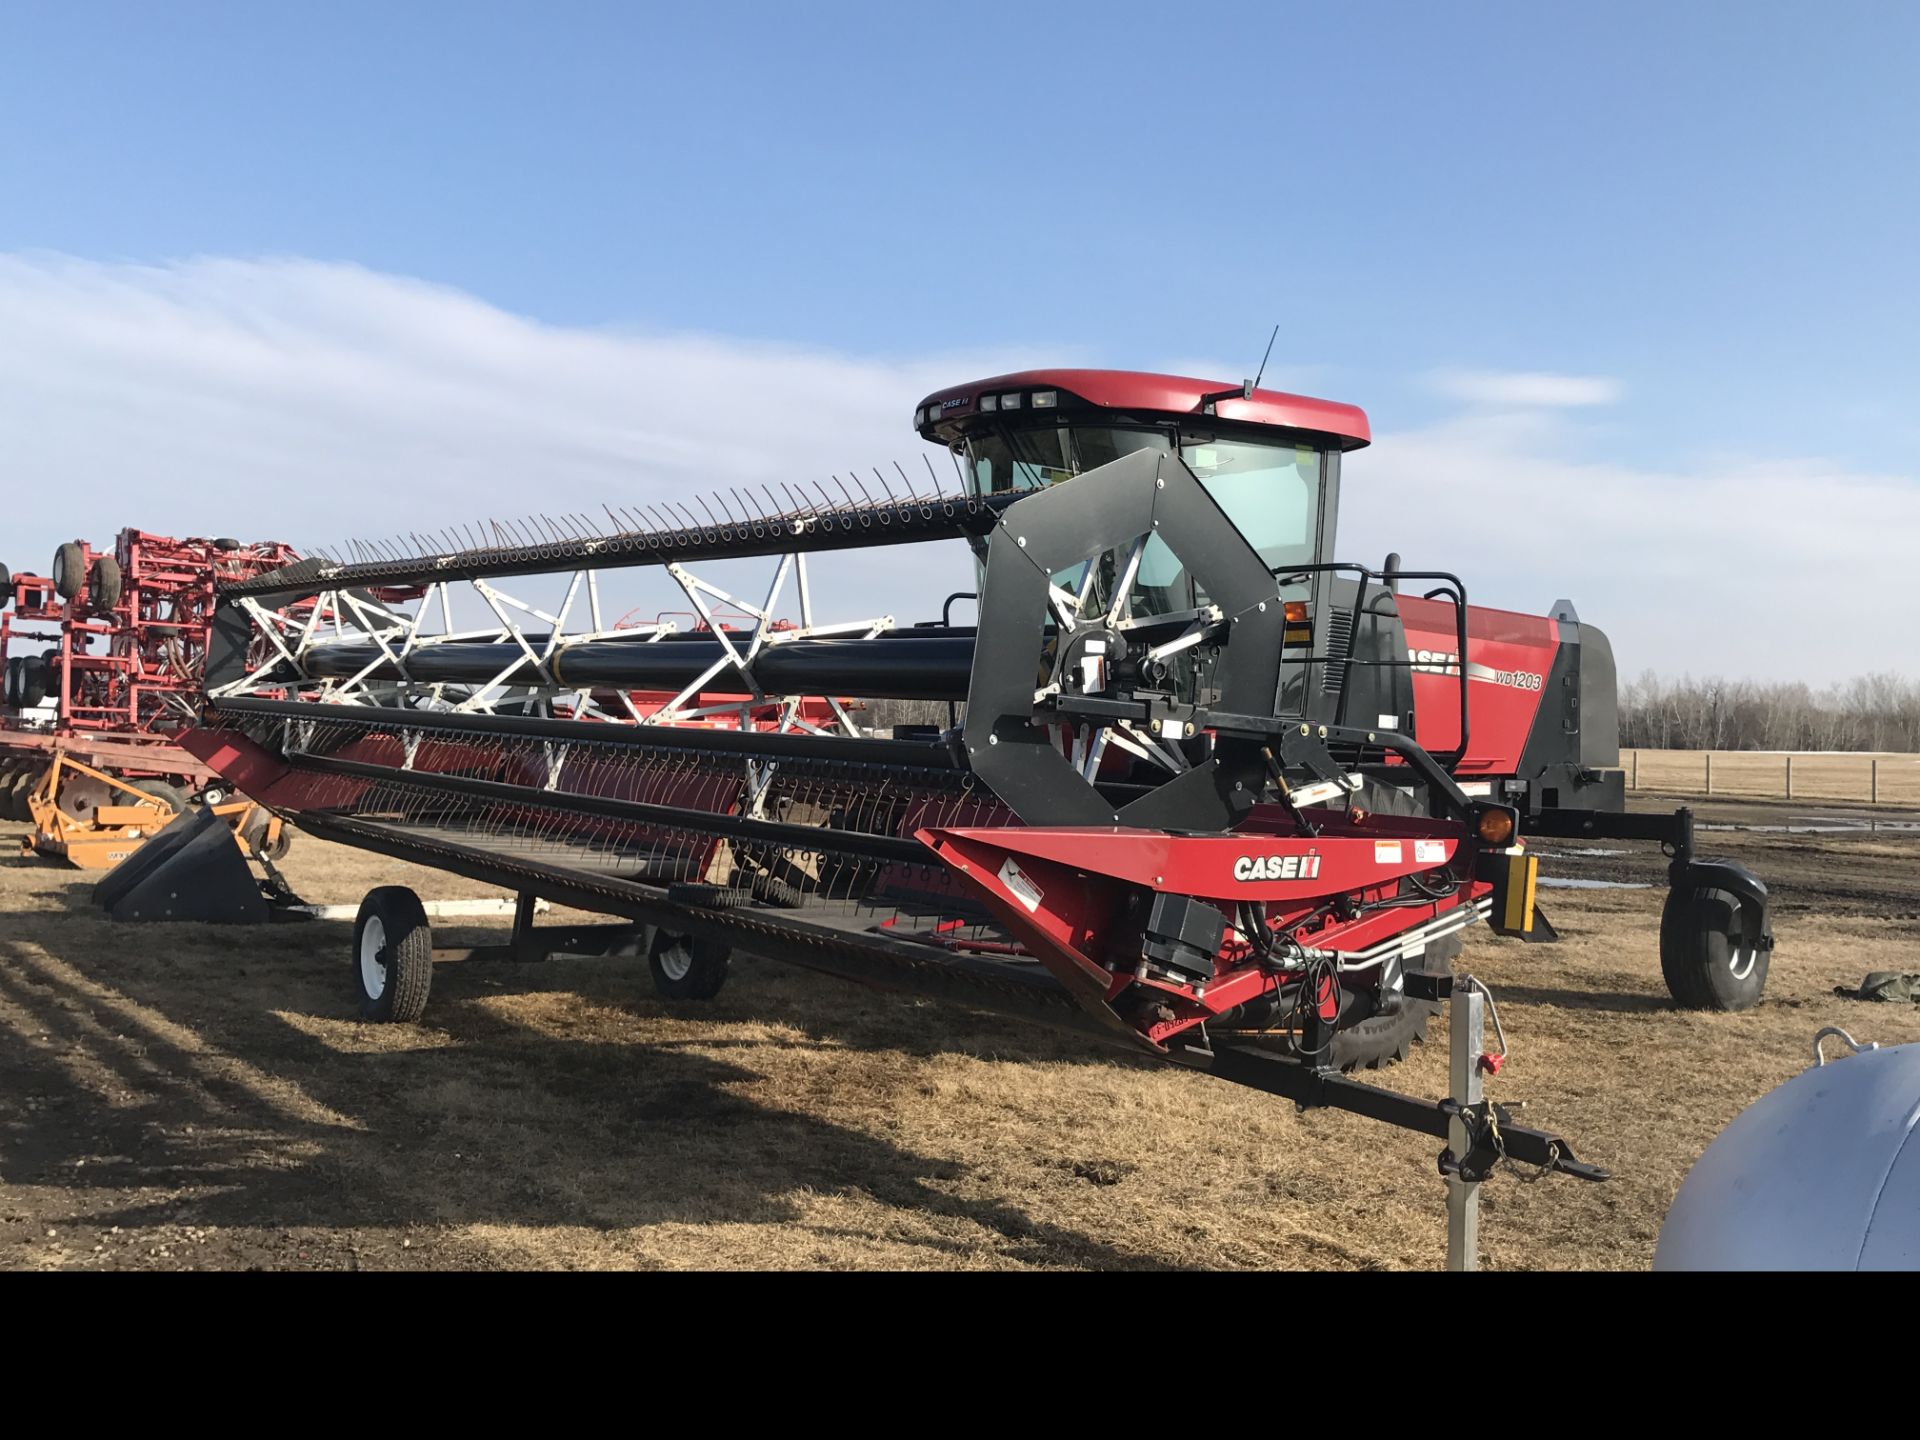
(338, 617)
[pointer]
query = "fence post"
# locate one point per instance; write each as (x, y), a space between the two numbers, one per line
(1789, 777)
(1636, 770)
(1709, 772)
(1873, 791)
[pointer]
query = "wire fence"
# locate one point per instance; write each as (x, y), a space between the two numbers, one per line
(1875, 779)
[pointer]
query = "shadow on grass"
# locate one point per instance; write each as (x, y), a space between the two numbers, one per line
(151, 1060)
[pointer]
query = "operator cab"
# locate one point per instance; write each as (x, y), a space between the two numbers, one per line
(1271, 460)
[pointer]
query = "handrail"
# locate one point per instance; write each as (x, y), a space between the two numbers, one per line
(1452, 588)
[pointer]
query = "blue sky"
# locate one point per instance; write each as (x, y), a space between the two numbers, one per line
(1702, 212)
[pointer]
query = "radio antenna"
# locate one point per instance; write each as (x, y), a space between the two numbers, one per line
(1254, 384)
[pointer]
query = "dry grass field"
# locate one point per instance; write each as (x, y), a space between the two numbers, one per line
(184, 1097)
(1764, 774)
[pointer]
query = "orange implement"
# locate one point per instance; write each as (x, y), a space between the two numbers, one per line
(93, 820)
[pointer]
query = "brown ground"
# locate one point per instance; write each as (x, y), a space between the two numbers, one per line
(175, 1096)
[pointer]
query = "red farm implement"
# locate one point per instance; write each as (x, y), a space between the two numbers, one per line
(102, 660)
(1216, 796)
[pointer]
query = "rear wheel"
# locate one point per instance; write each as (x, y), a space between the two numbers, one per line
(13, 794)
(392, 956)
(69, 570)
(1707, 964)
(31, 688)
(168, 795)
(1383, 1040)
(104, 592)
(685, 968)
(28, 781)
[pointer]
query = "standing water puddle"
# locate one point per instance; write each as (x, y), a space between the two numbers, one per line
(1560, 882)
(1822, 825)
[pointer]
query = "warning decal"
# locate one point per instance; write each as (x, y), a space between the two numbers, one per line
(1024, 890)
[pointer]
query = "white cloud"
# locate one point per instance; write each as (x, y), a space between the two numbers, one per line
(1782, 569)
(316, 402)
(1526, 390)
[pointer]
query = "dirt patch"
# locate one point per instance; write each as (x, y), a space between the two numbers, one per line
(183, 1096)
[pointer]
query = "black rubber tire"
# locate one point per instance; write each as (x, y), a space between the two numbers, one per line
(11, 696)
(103, 589)
(1383, 1040)
(12, 797)
(404, 956)
(253, 829)
(160, 790)
(69, 570)
(778, 893)
(707, 897)
(223, 543)
(214, 794)
(1700, 952)
(685, 968)
(31, 688)
(24, 784)
(6, 587)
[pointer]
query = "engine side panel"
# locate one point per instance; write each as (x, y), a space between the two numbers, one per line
(1509, 658)
(1543, 701)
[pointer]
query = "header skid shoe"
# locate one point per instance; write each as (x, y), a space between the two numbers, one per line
(191, 870)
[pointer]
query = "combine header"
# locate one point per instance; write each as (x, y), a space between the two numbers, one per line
(1216, 796)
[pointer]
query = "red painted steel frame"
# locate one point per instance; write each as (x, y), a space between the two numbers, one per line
(1064, 892)
(125, 678)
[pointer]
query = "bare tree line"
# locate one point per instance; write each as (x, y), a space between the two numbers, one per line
(1871, 712)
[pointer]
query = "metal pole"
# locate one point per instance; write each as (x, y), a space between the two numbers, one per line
(1874, 782)
(1789, 777)
(1464, 1023)
(1709, 772)
(522, 943)
(1636, 770)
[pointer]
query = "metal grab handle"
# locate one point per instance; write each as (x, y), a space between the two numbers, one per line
(1819, 1058)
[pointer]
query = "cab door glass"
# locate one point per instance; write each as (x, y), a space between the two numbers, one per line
(1270, 492)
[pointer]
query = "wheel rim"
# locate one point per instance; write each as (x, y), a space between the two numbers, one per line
(373, 957)
(1741, 960)
(676, 961)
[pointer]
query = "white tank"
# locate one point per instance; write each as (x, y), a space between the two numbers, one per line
(1822, 1173)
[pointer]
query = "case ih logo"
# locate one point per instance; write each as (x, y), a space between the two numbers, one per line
(1445, 662)
(955, 404)
(1276, 867)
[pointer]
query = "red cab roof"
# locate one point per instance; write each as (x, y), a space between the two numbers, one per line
(941, 415)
